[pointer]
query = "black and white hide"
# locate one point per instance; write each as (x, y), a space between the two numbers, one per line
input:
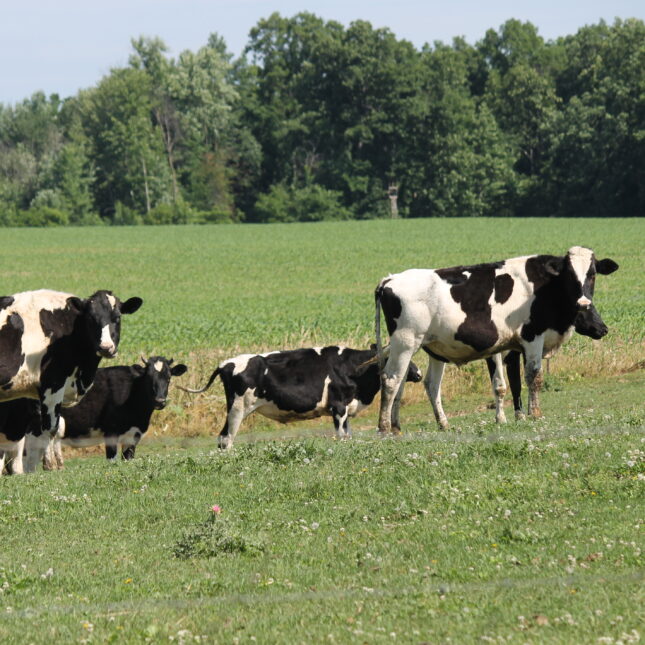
(464, 313)
(298, 384)
(50, 347)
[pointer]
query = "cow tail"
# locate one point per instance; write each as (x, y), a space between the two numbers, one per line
(214, 375)
(377, 327)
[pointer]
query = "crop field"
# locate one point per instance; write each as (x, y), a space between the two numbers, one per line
(527, 533)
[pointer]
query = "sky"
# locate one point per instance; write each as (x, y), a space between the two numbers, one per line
(62, 46)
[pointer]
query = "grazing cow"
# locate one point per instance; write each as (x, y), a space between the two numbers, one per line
(50, 347)
(464, 313)
(587, 323)
(298, 384)
(116, 410)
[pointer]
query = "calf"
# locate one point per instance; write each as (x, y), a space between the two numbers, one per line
(464, 313)
(298, 384)
(587, 323)
(50, 347)
(17, 418)
(117, 409)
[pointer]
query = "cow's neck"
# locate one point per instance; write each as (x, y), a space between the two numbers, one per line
(139, 405)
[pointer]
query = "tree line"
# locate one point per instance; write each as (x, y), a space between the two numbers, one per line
(319, 121)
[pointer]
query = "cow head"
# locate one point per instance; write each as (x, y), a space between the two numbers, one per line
(577, 271)
(102, 318)
(155, 374)
(589, 323)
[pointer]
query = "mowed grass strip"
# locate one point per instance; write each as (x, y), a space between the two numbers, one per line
(528, 533)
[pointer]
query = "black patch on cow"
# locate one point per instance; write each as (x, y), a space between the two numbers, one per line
(435, 355)
(391, 305)
(19, 417)
(6, 301)
(472, 287)
(11, 354)
(294, 380)
(503, 287)
(554, 305)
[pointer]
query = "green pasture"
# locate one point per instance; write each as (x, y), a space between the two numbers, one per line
(241, 287)
(526, 533)
(530, 533)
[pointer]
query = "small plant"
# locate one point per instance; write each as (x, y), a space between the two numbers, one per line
(214, 536)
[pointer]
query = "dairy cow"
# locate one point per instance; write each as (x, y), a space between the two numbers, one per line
(50, 347)
(460, 314)
(298, 384)
(117, 410)
(587, 323)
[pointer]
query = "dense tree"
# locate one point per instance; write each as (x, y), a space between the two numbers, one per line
(317, 120)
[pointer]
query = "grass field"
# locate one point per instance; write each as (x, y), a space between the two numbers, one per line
(530, 533)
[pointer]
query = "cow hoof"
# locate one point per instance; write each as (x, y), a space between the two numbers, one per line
(500, 419)
(520, 416)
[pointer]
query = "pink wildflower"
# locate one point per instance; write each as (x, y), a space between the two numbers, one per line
(216, 509)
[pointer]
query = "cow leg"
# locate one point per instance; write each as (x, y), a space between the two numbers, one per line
(35, 449)
(111, 448)
(496, 372)
(36, 444)
(396, 406)
(237, 412)
(340, 415)
(432, 383)
(401, 352)
(515, 381)
(12, 458)
(533, 374)
(49, 460)
(128, 452)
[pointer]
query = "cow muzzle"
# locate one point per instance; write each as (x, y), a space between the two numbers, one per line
(107, 351)
(160, 404)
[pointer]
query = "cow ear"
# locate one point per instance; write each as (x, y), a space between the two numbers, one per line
(606, 266)
(554, 266)
(137, 370)
(77, 303)
(178, 370)
(131, 305)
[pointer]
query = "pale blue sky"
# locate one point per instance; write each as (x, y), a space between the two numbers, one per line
(65, 45)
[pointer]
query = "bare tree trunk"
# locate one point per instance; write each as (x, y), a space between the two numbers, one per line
(393, 194)
(145, 184)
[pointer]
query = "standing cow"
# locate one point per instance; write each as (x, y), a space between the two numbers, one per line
(587, 323)
(298, 384)
(50, 347)
(117, 409)
(464, 313)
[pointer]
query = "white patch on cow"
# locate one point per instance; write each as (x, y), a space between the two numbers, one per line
(580, 258)
(467, 274)
(131, 437)
(341, 349)
(241, 361)
(266, 371)
(318, 350)
(111, 300)
(28, 305)
(158, 366)
(107, 344)
(354, 407)
(583, 302)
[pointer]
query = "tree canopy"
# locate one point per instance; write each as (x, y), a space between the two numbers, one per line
(320, 121)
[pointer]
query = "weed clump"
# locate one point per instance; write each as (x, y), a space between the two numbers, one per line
(212, 537)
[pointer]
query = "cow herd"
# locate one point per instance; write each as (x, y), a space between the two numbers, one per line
(51, 343)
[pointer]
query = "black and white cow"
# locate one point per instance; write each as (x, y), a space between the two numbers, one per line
(116, 410)
(50, 347)
(298, 384)
(587, 323)
(464, 313)
(17, 418)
